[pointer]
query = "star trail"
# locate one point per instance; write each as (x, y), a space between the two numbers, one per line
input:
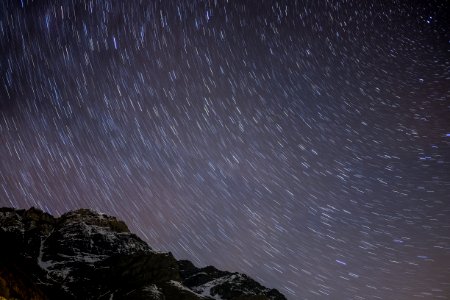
(305, 143)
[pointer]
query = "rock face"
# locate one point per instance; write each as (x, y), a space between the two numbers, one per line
(86, 255)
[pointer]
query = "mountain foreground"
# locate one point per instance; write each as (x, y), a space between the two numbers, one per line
(87, 255)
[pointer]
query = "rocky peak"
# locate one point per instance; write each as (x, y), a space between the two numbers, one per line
(92, 218)
(87, 255)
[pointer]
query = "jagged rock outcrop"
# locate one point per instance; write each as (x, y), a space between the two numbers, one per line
(87, 255)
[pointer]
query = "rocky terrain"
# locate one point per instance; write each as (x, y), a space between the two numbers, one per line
(86, 255)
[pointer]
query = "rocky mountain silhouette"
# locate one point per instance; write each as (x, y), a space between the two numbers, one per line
(87, 255)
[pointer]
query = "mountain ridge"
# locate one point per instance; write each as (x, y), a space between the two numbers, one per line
(87, 255)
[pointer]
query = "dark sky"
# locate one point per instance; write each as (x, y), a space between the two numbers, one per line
(304, 143)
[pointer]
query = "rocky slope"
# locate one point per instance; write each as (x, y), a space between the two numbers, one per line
(86, 255)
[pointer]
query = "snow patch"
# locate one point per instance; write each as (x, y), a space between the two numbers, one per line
(43, 264)
(205, 289)
(154, 290)
(180, 286)
(84, 257)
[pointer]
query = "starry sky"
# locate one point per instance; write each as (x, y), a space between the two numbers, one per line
(305, 143)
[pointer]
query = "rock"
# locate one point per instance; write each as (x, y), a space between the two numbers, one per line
(226, 285)
(87, 255)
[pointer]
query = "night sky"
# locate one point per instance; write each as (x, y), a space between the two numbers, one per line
(306, 144)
